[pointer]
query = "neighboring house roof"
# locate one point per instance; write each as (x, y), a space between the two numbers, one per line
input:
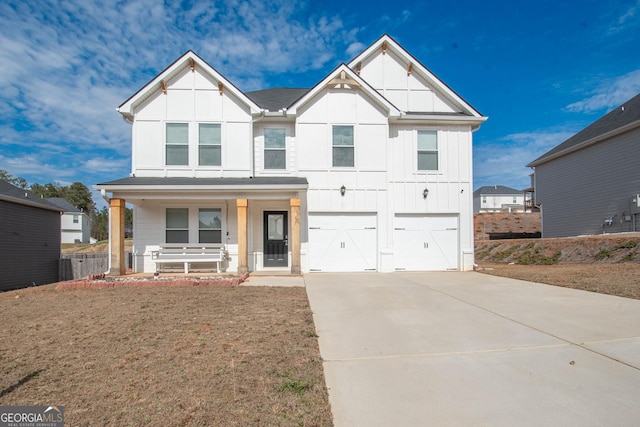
(621, 119)
(11, 193)
(189, 59)
(203, 183)
(417, 66)
(276, 99)
(496, 190)
(63, 204)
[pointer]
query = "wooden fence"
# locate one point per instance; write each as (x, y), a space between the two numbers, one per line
(78, 266)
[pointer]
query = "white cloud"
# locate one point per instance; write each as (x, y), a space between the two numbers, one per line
(609, 94)
(626, 19)
(502, 162)
(66, 64)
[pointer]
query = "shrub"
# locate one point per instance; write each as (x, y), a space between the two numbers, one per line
(604, 253)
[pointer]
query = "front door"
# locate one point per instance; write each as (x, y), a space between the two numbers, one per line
(276, 244)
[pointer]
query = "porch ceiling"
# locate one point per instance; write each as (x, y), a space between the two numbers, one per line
(194, 188)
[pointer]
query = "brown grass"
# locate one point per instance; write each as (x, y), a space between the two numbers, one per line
(613, 279)
(197, 356)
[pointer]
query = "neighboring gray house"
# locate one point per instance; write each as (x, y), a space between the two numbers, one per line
(590, 183)
(497, 198)
(75, 223)
(29, 239)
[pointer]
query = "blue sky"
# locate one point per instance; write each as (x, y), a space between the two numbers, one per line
(541, 70)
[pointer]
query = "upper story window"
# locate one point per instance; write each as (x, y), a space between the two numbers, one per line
(343, 146)
(210, 225)
(515, 200)
(209, 145)
(275, 151)
(177, 141)
(427, 150)
(484, 199)
(75, 219)
(177, 230)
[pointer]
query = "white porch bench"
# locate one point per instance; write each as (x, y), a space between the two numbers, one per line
(187, 254)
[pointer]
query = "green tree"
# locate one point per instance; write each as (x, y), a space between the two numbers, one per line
(79, 196)
(17, 181)
(47, 190)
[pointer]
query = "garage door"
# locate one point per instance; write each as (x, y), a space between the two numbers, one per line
(423, 243)
(342, 242)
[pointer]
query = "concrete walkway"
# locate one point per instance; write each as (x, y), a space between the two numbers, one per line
(467, 349)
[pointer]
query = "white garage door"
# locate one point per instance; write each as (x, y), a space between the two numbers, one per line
(342, 242)
(422, 243)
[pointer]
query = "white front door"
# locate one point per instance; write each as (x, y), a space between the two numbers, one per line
(342, 242)
(425, 242)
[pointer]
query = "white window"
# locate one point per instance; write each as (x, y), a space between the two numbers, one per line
(210, 225)
(75, 219)
(209, 145)
(343, 146)
(514, 199)
(177, 144)
(177, 230)
(275, 152)
(427, 150)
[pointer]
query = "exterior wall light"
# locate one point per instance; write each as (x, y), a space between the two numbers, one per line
(343, 190)
(425, 193)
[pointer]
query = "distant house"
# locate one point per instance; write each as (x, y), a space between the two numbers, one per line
(590, 183)
(75, 223)
(29, 239)
(368, 170)
(497, 198)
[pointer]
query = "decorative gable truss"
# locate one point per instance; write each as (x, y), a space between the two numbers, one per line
(409, 85)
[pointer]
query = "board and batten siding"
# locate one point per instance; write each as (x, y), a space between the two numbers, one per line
(579, 191)
(193, 98)
(29, 246)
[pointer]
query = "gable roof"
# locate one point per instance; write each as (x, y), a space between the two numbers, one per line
(186, 60)
(621, 119)
(13, 194)
(418, 67)
(276, 99)
(343, 75)
(496, 190)
(63, 204)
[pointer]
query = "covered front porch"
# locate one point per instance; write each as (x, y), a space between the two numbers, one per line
(256, 220)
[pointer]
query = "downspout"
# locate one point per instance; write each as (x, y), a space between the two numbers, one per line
(103, 193)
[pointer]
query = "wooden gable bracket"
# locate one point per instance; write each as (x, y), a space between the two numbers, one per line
(384, 48)
(358, 67)
(220, 88)
(163, 85)
(342, 80)
(192, 64)
(409, 69)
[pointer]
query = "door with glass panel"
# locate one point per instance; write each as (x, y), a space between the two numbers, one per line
(276, 245)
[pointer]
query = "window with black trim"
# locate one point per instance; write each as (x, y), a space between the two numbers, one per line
(177, 144)
(275, 150)
(210, 225)
(427, 150)
(177, 221)
(209, 144)
(343, 146)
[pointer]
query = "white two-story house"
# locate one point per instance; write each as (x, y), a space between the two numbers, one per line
(369, 170)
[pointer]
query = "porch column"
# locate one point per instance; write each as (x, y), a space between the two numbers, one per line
(243, 247)
(295, 236)
(116, 236)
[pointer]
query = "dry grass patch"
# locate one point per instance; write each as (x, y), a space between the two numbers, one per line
(200, 356)
(613, 279)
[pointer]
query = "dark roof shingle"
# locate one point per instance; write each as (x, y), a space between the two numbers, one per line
(623, 115)
(276, 99)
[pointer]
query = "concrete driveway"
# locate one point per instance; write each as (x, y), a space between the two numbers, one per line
(462, 349)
